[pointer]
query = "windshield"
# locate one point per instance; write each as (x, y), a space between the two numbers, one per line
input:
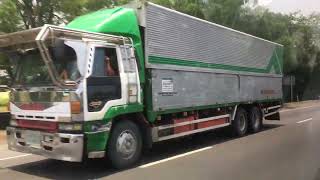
(64, 58)
(29, 69)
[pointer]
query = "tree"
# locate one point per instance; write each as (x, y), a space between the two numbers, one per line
(224, 12)
(35, 13)
(191, 7)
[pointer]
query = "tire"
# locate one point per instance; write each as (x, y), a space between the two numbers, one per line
(240, 123)
(255, 120)
(125, 145)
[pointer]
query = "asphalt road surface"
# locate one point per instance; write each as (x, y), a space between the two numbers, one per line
(284, 150)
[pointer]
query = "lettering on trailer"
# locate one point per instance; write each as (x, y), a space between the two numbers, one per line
(167, 88)
(268, 91)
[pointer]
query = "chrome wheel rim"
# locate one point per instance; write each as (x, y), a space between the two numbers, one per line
(126, 144)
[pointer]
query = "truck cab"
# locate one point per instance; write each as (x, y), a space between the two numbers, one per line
(65, 82)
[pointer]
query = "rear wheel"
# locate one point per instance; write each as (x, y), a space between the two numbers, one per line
(255, 120)
(240, 123)
(125, 145)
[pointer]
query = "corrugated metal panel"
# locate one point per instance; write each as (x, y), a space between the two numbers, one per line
(196, 63)
(179, 89)
(173, 35)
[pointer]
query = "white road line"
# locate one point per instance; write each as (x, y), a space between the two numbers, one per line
(287, 110)
(14, 157)
(306, 120)
(174, 157)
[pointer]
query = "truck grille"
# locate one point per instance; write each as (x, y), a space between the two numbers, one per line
(43, 125)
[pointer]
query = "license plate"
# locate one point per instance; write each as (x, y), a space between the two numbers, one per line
(33, 138)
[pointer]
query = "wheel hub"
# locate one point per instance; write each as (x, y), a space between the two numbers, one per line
(126, 144)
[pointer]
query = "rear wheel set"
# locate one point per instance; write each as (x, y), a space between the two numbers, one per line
(245, 121)
(255, 120)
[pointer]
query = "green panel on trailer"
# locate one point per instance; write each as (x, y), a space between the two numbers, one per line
(279, 50)
(275, 63)
(117, 21)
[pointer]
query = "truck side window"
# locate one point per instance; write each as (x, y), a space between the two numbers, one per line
(104, 84)
(110, 63)
(105, 62)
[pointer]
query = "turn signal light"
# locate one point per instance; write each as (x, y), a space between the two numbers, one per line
(75, 107)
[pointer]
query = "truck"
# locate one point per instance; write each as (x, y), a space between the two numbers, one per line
(112, 83)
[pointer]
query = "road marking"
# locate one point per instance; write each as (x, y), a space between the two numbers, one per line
(174, 157)
(306, 120)
(14, 157)
(287, 110)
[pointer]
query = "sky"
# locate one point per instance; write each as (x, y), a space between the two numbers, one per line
(287, 6)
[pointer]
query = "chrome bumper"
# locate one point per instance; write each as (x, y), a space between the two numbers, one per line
(66, 147)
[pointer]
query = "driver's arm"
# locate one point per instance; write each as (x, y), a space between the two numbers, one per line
(64, 75)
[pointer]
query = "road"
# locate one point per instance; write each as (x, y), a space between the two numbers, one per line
(284, 150)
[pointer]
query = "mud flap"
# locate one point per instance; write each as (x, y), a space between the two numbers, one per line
(273, 117)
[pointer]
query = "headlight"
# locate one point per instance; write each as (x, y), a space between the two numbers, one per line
(70, 127)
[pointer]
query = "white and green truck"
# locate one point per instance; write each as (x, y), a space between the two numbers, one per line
(115, 81)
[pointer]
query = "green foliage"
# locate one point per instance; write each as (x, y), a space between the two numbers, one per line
(191, 7)
(35, 13)
(4, 65)
(224, 12)
(9, 19)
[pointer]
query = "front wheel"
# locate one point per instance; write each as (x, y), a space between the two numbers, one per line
(125, 145)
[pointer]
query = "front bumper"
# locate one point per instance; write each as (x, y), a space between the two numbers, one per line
(66, 147)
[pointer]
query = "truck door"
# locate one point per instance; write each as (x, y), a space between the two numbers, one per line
(104, 85)
(112, 79)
